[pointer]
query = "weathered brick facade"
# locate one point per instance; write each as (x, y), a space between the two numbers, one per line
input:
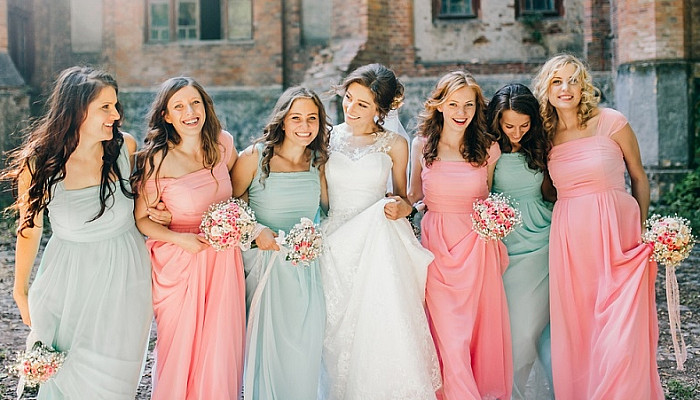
(644, 53)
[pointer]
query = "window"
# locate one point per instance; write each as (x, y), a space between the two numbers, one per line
(192, 20)
(457, 8)
(542, 7)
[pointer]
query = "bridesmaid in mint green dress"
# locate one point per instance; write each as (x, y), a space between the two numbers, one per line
(520, 173)
(282, 178)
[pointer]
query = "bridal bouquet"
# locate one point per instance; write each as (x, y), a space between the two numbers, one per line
(495, 217)
(672, 240)
(670, 237)
(304, 242)
(37, 365)
(228, 223)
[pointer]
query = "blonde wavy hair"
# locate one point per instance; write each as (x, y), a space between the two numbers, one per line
(590, 95)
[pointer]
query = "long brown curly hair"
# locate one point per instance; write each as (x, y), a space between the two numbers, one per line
(590, 95)
(50, 141)
(476, 140)
(534, 145)
(162, 136)
(273, 133)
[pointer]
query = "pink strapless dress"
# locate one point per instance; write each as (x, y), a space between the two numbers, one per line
(464, 290)
(602, 302)
(198, 299)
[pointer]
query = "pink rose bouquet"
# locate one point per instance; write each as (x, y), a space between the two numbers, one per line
(304, 242)
(229, 223)
(672, 241)
(495, 217)
(37, 365)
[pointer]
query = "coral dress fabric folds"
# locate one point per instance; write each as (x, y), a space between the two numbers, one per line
(603, 309)
(198, 299)
(464, 291)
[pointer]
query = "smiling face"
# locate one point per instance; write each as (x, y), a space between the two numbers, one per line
(186, 112)
(458, 109)
(565, 88)
(359, 107)
(515, 125)
(301, 124)
(100, 116)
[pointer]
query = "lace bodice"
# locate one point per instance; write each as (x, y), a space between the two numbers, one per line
(357, 176)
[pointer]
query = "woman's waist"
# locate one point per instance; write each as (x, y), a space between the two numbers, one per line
(585, 189)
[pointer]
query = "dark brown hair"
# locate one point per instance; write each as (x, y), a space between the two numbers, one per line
(162, 136)
(534, 145)
(382, 82)
(273, 133)
(52, 139)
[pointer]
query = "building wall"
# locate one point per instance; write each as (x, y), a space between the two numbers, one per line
(256, 62)
(496, 35)
(3, 25)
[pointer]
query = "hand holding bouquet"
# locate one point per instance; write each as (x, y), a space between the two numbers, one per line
(37, 365)
(229, 223)
(672, 240)
(304, 242)
(494, 217)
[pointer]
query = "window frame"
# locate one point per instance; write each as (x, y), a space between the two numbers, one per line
(437, 11)
(202, 10)
(557, 11)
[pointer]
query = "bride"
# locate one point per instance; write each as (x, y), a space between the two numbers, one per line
(377, 344)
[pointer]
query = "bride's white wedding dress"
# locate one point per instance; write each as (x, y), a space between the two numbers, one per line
(377, 344)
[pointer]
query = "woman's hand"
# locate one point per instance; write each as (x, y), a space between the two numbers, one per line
(160, 214)
(192, 243)
(266, 240)
(399, 208)
(22, 299)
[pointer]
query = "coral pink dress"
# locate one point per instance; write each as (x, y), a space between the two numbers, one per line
(198, 299)
(464, 292)
(602, 305)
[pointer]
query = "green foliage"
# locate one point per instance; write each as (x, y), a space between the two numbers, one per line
(681, 390)
(684, 200)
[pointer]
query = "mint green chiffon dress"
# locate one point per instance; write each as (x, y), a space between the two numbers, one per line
(286, 322)
(91, 296)
(526, 280)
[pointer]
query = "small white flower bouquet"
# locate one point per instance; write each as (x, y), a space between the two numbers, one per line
(493, 218)
(672, 240)
(304, 242)
(36, 366)
(228, 223)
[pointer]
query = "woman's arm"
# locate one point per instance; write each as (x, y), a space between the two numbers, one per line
(324, 189)
(549, 192)
(627, 141)
(399, 157)
(131, 146)
(149, 199)
(415, 189)
(26, 249)
(242, 176)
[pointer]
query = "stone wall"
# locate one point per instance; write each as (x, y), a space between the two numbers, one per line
(496, 35)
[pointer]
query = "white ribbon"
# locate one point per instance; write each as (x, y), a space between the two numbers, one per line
(253, 313)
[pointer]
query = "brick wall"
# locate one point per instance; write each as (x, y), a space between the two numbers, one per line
(597, 34)
(654, 29)
(3, 25)
(256, 62)
(694, 31)
(670, 24)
